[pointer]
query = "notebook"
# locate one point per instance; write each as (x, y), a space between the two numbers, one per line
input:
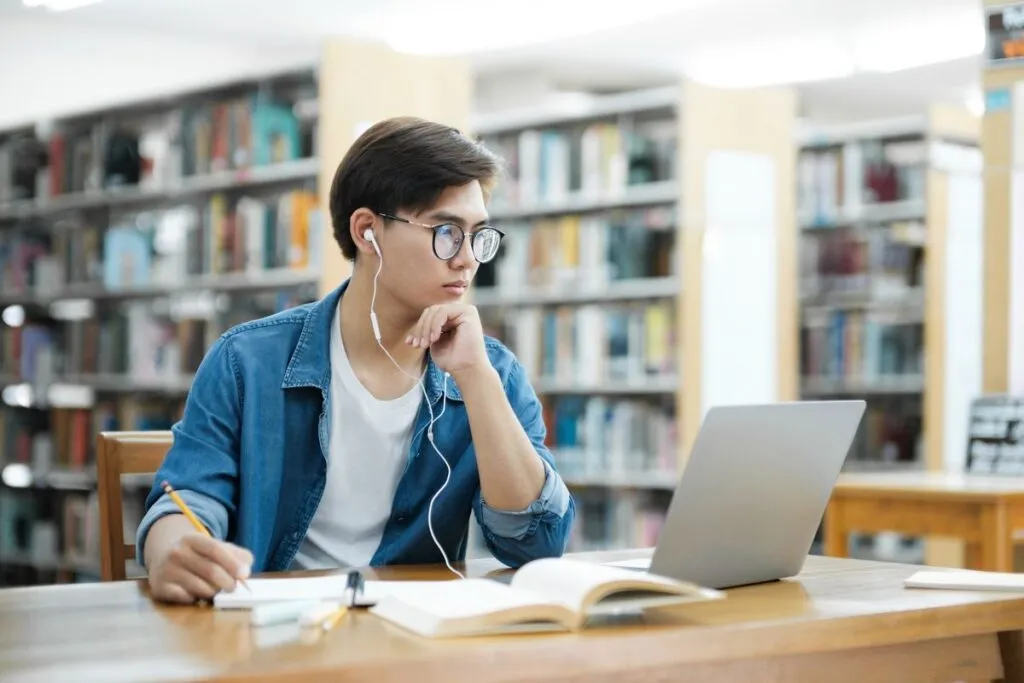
(547, 594)
(966, 579)
(330, 587)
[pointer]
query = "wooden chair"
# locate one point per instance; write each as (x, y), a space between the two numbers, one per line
(117, 454)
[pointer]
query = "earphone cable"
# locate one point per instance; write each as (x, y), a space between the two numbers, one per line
(430, 409)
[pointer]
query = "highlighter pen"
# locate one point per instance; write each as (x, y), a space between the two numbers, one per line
(279, 612)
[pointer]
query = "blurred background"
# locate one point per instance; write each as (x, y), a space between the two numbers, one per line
(709, 202)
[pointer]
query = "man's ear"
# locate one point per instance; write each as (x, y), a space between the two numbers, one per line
(361, 221)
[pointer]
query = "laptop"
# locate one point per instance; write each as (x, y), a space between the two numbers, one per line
(753, 492)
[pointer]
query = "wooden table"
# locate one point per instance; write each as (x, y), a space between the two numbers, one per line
(982, 511)
(840, 620)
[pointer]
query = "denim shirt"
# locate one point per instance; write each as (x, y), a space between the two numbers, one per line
(249, 455)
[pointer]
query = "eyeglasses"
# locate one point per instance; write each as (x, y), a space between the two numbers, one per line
(448, 239)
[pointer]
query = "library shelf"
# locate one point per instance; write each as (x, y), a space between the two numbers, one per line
(243, 281)
(130, 238)
(884, 205)
(617, 290)
(246, 178)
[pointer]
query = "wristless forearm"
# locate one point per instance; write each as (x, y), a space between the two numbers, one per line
(511, 472)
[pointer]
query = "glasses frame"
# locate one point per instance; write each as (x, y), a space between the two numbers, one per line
(433, 242)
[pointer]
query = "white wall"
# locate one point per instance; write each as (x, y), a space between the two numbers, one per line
(53, 68)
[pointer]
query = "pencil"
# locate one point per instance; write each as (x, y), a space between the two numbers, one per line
(185, 510)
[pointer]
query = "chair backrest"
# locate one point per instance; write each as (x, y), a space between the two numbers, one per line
(119, 453)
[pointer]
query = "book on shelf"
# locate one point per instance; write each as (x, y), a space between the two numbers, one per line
(616, 518)
(835, 180)
(153, 148)
(546, 594)
(612, 437)
(864, 346)
(247, 235)
(868, 267)
(549, 165)
(588, 252)
(590, 344)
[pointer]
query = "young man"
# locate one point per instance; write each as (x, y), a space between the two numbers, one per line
(322, 436)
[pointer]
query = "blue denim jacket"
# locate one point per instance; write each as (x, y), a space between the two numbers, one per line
(250, 452)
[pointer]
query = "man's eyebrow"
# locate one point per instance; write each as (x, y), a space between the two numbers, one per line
(447, 217)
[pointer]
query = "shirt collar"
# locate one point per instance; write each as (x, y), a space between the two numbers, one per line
(310, 362)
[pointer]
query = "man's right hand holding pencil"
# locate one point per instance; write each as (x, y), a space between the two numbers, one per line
(187, 563)
(186, 566)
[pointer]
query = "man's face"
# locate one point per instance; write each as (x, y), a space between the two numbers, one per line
(412, 273)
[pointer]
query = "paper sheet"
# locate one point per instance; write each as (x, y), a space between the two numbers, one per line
(966, 580)
(330, 587)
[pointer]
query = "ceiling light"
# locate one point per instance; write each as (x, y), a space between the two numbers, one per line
(467, 26)
(59, 5)
(930, 40)
(783, 63)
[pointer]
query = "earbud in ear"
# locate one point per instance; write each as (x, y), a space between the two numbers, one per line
(368, 235)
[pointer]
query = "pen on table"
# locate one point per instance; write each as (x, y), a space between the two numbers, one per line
(353, 585)
(185, 510)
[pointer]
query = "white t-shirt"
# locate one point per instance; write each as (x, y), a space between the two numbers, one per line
(369, 446)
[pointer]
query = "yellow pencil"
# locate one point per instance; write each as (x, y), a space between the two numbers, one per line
(185, 510)
(334, 617)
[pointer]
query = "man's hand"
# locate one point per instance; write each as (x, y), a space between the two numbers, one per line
(453, 334)
(189, 566)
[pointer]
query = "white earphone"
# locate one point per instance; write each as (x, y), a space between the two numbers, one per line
(369, 237)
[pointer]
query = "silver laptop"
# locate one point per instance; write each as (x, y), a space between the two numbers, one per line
(754, 491)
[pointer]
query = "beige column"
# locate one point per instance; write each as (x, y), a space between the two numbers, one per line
(739, 307)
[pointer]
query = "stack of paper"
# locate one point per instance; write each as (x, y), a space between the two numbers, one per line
(966, 580)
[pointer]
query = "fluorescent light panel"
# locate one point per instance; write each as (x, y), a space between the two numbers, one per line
(468, 26)
(881, 49)
(58, 5)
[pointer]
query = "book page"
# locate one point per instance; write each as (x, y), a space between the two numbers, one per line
(330, 587)
(467, 598)
(570, 581)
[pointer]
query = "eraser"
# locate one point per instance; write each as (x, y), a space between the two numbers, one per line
(279, 612)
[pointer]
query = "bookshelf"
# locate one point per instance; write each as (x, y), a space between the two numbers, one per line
(890, 288)
(608, 291)
(130, 238)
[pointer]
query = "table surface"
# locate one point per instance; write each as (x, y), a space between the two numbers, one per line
(115, 632)
(949, 484)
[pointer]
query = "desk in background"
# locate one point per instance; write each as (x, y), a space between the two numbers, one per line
(982, 511)
(842, 621)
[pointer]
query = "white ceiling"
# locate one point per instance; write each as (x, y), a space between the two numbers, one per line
(672, 36)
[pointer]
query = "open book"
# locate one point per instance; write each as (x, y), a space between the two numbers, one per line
(552, 593)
